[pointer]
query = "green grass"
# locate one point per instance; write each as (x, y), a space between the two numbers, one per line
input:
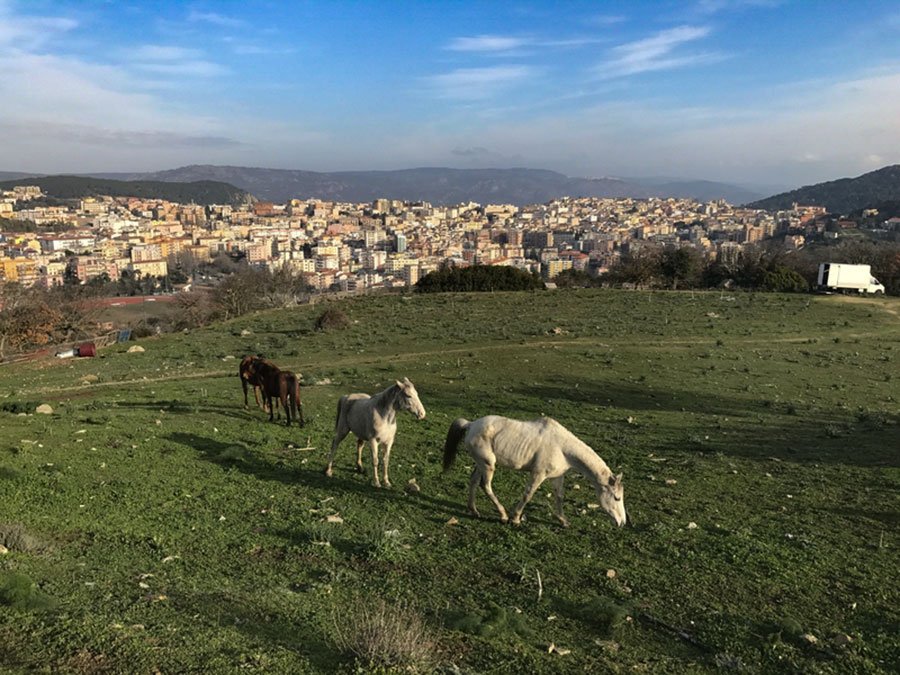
(167, 528)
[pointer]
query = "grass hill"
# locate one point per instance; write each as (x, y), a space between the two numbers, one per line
(153, 523)
(74, 187)
(841, 196)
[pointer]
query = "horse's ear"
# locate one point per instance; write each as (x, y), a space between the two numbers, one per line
(619, 478)
(612, 479)
(406, 380)
(398, 383)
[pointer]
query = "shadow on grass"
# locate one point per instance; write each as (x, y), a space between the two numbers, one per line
(187, 408)
(787, 432)
(241, 457)
(262, 625)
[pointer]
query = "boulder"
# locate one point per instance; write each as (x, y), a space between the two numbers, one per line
(135, 349)
(44, 409)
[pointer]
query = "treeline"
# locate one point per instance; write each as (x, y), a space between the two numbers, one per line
(760, 268)
(478, 278)
(34, 317)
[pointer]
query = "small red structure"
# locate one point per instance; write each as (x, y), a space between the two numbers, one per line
(87, 349)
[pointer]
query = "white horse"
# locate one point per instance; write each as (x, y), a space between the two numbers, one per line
(545, 448)
(374, 419)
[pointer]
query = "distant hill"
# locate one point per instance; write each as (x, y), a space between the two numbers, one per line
(702, 190)
(437, 185)
(74, 187)
(841, 196)
(14, 175)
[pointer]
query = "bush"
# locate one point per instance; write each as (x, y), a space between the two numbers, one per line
(785, 280)
(478, 278)
(388, 637)
(332, 319)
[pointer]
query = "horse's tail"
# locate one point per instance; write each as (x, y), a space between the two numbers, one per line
(454, 435)
(340, 408)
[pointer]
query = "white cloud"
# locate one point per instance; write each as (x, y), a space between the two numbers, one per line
(656, 53)
(487, 43)
(479, 83)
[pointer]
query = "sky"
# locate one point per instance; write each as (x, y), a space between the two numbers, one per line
(755, 92)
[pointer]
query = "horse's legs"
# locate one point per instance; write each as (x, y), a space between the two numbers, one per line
(339, 434)
(244, 385)
(558, 493)
(474, 479)
(387, 461)
(374, 443)
(359, 446)
(256, 397)
(285, 403)
(486, 484)
(536, 480)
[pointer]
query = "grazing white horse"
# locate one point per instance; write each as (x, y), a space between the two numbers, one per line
(374, 419)
(545, 448)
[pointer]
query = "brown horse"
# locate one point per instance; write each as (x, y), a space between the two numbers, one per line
(278, 385)
(248, 372)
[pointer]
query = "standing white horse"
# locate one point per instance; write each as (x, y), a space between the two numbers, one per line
(374, 419)
(545, 448)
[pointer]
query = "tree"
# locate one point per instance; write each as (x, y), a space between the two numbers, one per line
(681, 266)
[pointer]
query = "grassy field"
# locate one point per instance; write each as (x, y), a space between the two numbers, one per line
(154, 524)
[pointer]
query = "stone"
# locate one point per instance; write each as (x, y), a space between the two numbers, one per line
(3, 550)
(671, 481)
(692, 525)
(809, 639)
(44, 409)
(841, 640)
(610, 574)
(135, 349)
(412, 487)
(453, 521)
(245, 332)
(334, 518)
(90, 379)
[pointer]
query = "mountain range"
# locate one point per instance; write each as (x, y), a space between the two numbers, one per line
(204, 184)
(438, 185)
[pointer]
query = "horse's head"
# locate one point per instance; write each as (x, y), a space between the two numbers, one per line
(408, 398)
(612, 498)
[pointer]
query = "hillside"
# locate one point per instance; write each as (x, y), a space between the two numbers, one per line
(198, 192)
(153, 524)
(437, 185)
(841, 196)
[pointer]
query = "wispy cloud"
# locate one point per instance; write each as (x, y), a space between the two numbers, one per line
(92, 135)
(715, 6)
(30, 32)
(514, 45)
(479, 83)
(658, 52)
(174, 61)
(606, 19)
(487, 43)
(215, 19)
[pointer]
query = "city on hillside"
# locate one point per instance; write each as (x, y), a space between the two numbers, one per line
(383, 244)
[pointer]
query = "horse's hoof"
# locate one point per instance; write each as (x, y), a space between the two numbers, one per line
(328, 472)
(388, 486)
(564, 522)
(360, 469)
(474, 513)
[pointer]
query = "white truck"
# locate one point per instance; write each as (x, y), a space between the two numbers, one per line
(842, 277)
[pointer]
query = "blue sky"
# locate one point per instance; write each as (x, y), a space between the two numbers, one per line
(768, 92)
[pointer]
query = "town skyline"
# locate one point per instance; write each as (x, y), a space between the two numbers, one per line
(741, 91)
